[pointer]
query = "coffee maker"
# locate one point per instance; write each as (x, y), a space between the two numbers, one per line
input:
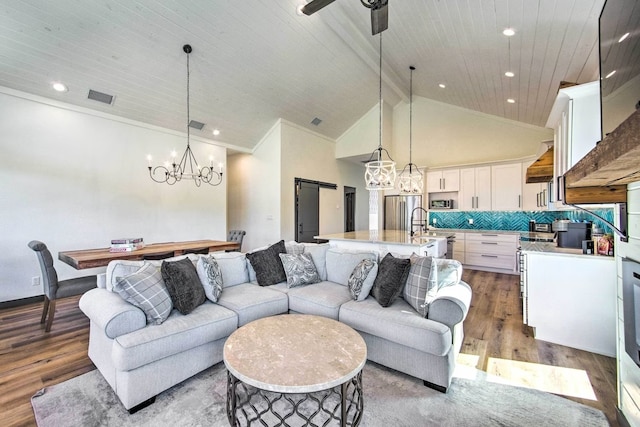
(571, 234)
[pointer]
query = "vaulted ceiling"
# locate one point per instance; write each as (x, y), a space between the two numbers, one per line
(255, 61)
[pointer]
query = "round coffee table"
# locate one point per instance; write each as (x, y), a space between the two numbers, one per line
(292, 367)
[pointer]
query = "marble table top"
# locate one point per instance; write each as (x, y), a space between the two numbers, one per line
(295, 353)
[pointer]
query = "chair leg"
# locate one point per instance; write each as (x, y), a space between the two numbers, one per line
(45, 308)
(52, 312)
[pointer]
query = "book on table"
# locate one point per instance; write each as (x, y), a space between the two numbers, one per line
(126, 241)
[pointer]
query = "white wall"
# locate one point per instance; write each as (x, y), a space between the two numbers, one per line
(76, 179)
(445, 135)
(254, 191)
(363, 137)
(311, 156)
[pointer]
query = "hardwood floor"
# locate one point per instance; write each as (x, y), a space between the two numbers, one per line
(31, 359)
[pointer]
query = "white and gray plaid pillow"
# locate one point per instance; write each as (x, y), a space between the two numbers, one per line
(422, 286)
(300, 269)
(146, 290)
(210, 276)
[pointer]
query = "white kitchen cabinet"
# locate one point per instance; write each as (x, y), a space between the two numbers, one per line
(491, 251)
(506, 187)
(571, 300)
(443, 181)
(534, 196)
(575, 119)
(475, 189)
(458, 247)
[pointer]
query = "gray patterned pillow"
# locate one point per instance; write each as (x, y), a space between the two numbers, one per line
(299, 269)
(422, 286)
(210, 277)
(146, 290)
(183, 284)
(358, 284)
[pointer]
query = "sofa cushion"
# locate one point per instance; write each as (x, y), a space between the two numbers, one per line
(251, 302)
(300, 269)
(206, 323)
(233, 266)
(361, 280)
(183, 284)
(210, 277)
(293, 248)
(318, 252)
(267, 264)
(322, 299)
(390, 280)
(146, 290)
(398, 323)
(449, 272)
(340, 263)
(421, 287)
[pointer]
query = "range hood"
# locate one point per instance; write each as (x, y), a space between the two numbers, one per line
(542, 169)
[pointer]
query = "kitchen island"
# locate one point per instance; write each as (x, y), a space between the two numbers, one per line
(569, 298)
(394, 241)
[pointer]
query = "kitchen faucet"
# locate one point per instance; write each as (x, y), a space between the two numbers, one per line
(422, 224)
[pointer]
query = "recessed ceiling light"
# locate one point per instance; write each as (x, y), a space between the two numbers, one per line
(60, 87)
(621, 39)
(442, 85)
(508, 32)
(509, 74)
(610, 74)
(511, 101)
(216, 132)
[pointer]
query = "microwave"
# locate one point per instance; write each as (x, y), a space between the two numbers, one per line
(441, 204)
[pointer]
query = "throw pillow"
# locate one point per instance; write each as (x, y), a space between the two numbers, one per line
(421, 287)
(392, 275)
(145, 290)
(183, 284)
(358, 284)
(449, 272)
(294, 248)
(210, 276)
(299, 269)
(267, 264)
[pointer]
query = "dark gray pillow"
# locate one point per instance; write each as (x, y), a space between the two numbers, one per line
(267, 264)
(183, 284)
(389, 283)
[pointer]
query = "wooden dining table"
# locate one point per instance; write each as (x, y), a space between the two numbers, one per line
(91, 258)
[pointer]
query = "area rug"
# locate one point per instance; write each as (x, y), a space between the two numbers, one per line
(392, 399)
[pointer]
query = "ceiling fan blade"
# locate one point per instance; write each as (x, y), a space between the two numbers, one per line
(379, 18)
(315, 5)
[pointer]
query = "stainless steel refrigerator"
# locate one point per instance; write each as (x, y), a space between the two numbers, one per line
(397, 212)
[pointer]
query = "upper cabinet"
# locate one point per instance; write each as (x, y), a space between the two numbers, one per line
(475, 189)
(443, 181)
(506, 187)
(575, 119)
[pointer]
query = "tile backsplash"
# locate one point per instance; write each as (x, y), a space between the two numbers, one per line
(513, 220)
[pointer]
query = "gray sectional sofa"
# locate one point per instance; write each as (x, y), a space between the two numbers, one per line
(140, 360)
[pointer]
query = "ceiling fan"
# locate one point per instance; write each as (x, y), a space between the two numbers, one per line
(379, 12)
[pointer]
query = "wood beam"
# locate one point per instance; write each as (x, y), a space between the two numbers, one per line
(604, 194)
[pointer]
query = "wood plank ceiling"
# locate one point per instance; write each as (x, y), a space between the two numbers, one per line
(255, 61)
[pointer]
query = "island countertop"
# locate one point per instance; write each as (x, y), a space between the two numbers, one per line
(397, 237)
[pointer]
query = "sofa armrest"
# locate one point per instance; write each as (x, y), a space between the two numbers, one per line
(451, 304)
(111, 313)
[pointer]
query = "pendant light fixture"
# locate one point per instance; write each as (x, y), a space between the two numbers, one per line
(410, 180)
(188, 166)
(380, 174)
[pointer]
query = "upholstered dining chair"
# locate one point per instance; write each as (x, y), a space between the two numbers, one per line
(54, 288)
(236, 236)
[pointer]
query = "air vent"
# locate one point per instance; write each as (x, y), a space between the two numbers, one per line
(316, 121)
(196, 125)
(100, 97)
